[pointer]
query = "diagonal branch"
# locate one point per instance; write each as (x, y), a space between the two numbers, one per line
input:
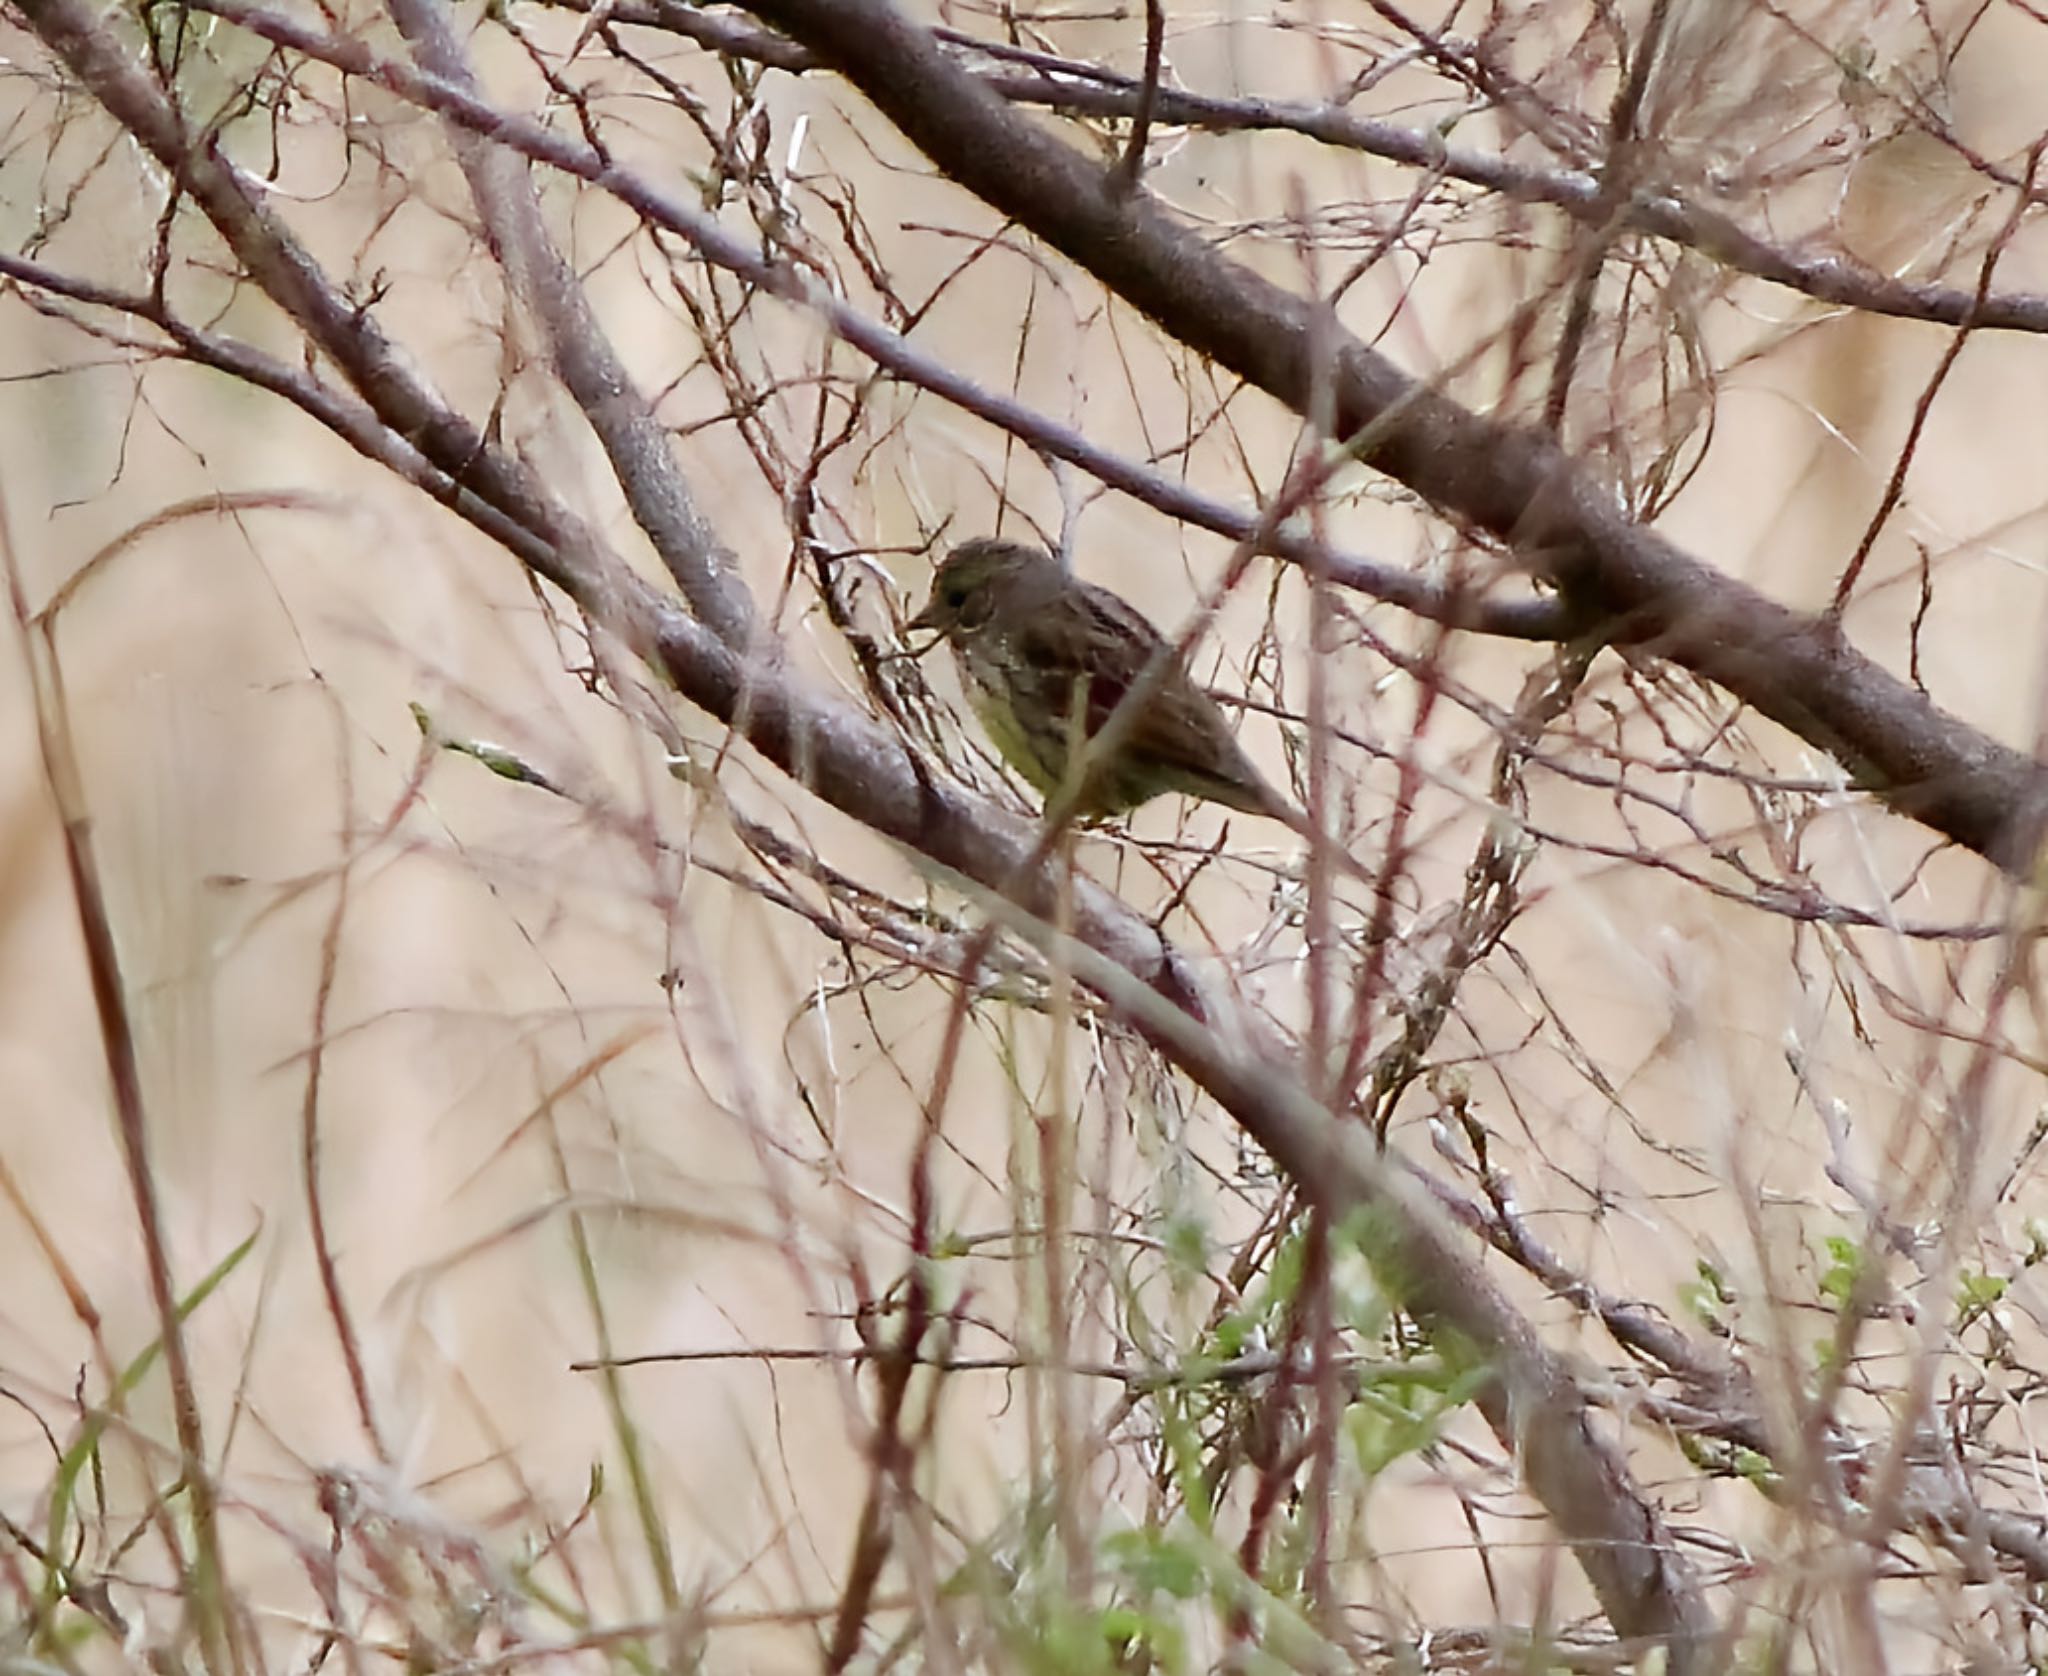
(1530, 1394)
(583, 357)
(1640, 588)
(1080, 88)
(1537, 617)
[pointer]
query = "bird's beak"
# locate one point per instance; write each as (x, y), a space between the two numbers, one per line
(928, 618)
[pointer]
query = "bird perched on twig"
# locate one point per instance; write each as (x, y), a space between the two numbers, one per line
(1047, 658)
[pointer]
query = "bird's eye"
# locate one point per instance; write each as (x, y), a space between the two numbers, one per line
(956, 595)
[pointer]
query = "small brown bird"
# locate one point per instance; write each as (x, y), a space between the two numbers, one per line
(1047, 658)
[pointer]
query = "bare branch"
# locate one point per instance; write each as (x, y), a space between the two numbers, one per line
(1636, 586)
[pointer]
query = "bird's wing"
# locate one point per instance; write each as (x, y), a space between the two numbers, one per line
(1086, 638)
(1091, 629)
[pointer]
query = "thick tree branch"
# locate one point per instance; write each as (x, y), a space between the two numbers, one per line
(1641, 588)
(1532, 1399)
(1083, 89)
(590, 369)
(1530, 1396)
(1539, 617)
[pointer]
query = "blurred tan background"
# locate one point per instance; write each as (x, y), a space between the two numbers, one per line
(503, 1056)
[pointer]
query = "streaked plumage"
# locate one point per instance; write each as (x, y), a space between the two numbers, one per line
(1040, 651)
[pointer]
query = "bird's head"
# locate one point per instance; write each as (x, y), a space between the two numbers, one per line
(976, 577)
